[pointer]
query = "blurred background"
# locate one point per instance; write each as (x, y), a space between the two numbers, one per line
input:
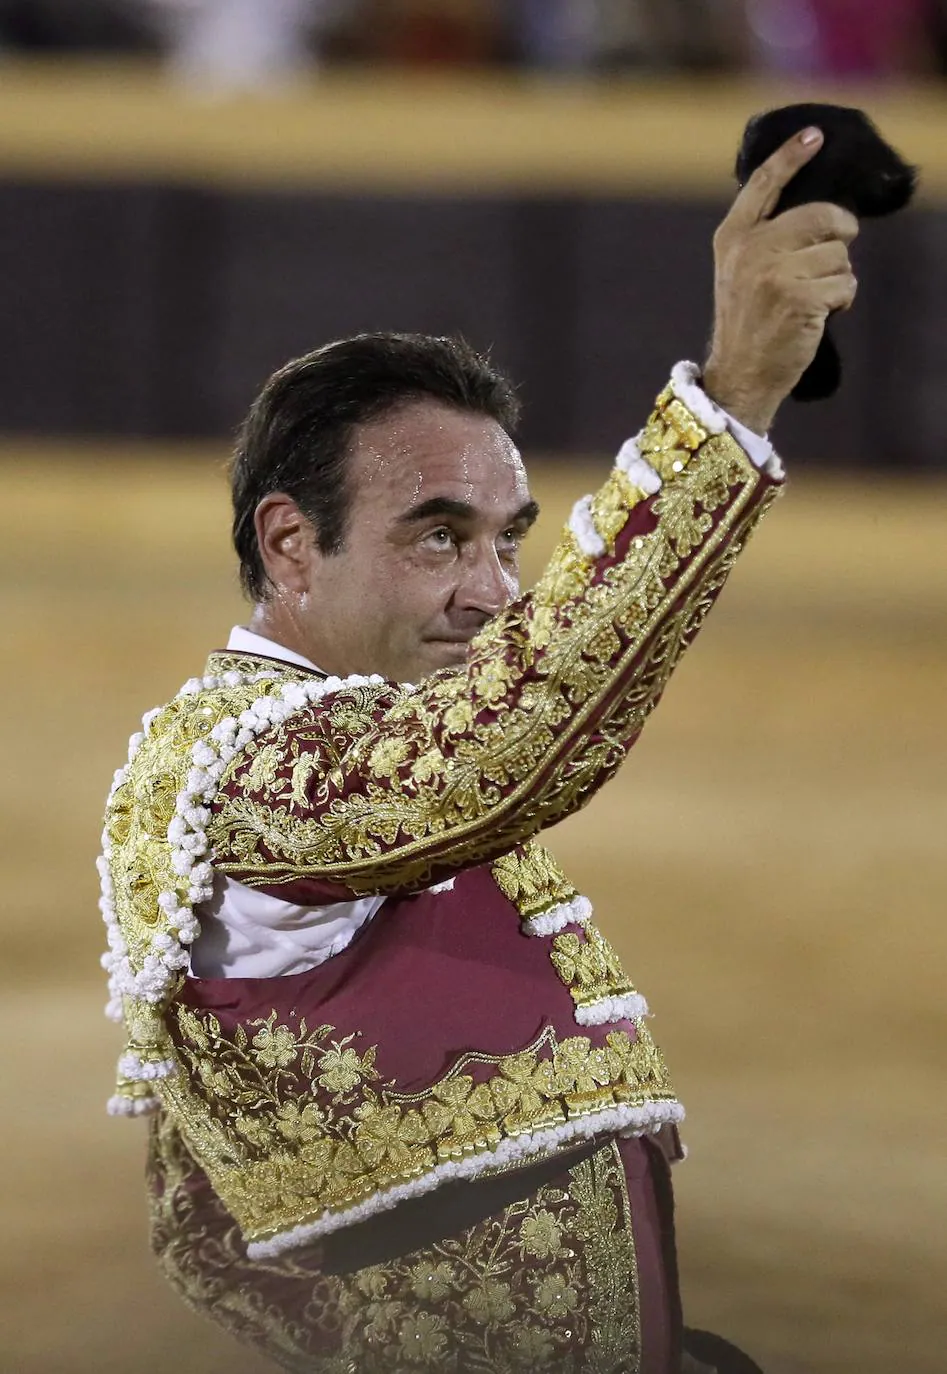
(192, 191)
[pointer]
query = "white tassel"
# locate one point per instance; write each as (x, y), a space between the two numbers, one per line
(583, 527)
(687, 388)
(630, 1007)
(133, 1106)
(550, 922)
(638, 472)
(138, 1070)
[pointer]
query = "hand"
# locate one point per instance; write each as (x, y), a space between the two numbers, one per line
(776, 282)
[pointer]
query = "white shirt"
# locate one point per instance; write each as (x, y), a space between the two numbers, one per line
(246, 642)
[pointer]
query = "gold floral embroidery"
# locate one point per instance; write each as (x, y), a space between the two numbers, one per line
(200, 1252)
(264, 767)
(342, 1070)
(541, 1235)
(585, 961)
(432, 1281)
(530, 877)
(555, 1297)
(386, 758)
(589, 966)
(422, 1338)
(291, 1120)
(547, 1284)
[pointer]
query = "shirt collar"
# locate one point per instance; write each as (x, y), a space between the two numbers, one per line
(244, 641)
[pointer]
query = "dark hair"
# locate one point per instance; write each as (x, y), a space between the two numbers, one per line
(296, 436)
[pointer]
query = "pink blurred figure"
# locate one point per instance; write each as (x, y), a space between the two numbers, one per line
(849, 38)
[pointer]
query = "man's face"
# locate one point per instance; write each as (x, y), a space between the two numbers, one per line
(439, 507)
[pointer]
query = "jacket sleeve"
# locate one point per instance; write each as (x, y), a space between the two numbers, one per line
(388, 788)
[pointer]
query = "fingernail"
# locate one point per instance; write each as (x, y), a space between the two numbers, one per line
(810, 136)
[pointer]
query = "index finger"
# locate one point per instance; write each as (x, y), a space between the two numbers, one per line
(760, 194)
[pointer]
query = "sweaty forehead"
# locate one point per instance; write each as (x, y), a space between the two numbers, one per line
(425, 449)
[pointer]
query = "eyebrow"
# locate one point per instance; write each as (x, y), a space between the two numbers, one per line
(462, 510)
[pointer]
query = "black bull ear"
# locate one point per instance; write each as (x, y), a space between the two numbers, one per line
(855, 168)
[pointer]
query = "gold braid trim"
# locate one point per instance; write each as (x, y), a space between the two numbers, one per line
(224, 661)
(291, 1121)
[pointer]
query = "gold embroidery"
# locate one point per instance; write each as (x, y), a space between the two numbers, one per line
(141, 809)
(291, 1121)
(540, 1235)
(611, 504)
(223, 662)
(140, 864)
(585, 961)
(604, 1224)
(530, 877)
(589, 966)
(200, 1252)
(671, 435)
(264, 767)
(454, 788)
(547, 1284)
(565, 576)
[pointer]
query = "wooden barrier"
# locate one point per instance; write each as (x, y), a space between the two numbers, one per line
(457, 132)
(163, 254)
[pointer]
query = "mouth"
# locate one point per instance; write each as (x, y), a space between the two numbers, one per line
(454, 647)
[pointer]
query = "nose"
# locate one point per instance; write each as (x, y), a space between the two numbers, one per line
(487, 585)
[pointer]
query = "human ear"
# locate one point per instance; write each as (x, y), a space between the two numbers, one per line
(286, 540)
